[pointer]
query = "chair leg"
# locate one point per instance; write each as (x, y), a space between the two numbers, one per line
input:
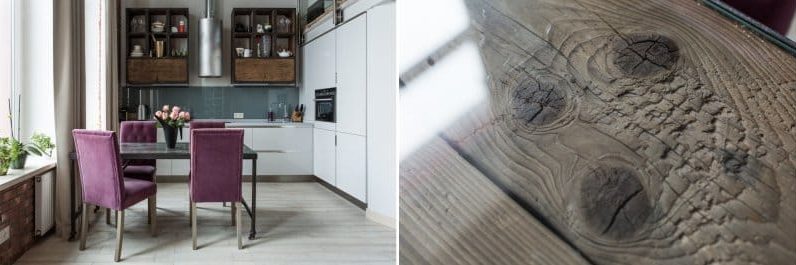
(233, 212)
(119, 235)
(153, 220)
(107, 216)
(238, 222)
(193, 224)
(83, 226)
(224, 204)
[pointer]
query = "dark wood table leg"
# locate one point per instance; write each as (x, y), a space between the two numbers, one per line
(253, 215)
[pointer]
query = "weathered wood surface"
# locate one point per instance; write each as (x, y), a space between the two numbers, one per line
(641, 132)
(451, 214)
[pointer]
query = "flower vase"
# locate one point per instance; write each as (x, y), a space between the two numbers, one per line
(170, 133)
(19, 162)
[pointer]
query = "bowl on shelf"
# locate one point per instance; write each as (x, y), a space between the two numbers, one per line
(284, 53)
(158, 26)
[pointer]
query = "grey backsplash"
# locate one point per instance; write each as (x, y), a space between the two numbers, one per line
(214, 102)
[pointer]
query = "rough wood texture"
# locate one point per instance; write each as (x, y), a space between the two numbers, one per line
(265, 70)
(642, 132)
(151, 71)
(451, 214)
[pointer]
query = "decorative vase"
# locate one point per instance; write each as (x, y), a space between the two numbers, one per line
(19, 162)
(170, 133)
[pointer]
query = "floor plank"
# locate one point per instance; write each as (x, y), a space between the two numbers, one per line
(297, 223)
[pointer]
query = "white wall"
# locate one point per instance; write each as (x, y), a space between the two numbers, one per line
(35, 51)
(196, 10)
(382, 111)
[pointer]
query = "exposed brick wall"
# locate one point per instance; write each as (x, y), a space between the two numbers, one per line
(16, 210)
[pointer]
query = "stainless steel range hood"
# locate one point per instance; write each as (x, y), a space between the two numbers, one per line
(210, 30)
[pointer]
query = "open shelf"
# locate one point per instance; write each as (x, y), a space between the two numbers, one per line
(270, 29)
(172, 66)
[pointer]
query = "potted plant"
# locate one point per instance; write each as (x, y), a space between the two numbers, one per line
(172, 120)
(18, 151)
(5, 155)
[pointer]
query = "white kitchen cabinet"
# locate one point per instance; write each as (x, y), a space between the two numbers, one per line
(320, 61)
(352, 76)
(324, 155)
(382, 110)
(351, 169)
(283, 151)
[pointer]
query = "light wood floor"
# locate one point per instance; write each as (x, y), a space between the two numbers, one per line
(297, 223)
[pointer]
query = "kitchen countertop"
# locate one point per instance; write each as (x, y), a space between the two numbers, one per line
(258, 123)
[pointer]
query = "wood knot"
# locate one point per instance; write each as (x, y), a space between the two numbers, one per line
(539, 100)
(644, 55)
(615, 203)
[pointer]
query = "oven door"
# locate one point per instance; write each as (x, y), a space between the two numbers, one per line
(324, 109)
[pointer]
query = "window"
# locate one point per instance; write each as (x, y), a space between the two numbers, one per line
(95, 62)
(6, 62)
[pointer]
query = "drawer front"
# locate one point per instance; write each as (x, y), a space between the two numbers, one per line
(265, 70)
(171, 70)
(297, 163)
(139, 71)
(288, 140)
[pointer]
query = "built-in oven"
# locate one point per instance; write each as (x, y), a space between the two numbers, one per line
(324, 104)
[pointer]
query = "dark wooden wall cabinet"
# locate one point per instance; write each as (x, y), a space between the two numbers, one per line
(144, 66)
(263, 65)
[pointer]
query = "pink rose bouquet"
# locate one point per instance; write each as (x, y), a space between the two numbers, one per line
(172, 118)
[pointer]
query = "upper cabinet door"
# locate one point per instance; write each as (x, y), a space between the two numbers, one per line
(325, 64)
(352, 76)
(319, 63)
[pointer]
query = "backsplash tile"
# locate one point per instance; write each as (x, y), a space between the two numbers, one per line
(214, 102)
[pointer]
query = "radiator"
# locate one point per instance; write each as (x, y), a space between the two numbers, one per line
(45, 212)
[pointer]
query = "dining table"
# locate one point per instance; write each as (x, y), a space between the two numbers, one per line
(145, 151)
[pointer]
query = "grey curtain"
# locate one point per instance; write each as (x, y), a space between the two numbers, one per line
(111, 16)
(68, 63)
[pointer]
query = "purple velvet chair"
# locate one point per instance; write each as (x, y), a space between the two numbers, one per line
(103, 183)
(207, 125)
(139, 132)
(216, 162)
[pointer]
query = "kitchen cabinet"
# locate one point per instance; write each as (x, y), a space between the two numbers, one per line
(324, 155)
(352, 69)
(319, 71)
(382, 110)
(351, 169)
(283, 151)
(141, 69)
(268, 67)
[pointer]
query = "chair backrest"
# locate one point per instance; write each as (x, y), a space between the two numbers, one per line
(206, 125)
(139, 132)
(100, 168)
(216, 162)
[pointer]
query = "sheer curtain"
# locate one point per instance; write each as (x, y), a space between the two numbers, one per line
(69, 95)
(101, 64)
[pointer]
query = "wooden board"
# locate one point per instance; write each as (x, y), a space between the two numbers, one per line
(642, 132)
(451, 214)
(151, 70)
(265, 70)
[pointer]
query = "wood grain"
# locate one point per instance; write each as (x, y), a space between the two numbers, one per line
(451, 214)
(157, 70)
(265, 70)
(642, 132)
